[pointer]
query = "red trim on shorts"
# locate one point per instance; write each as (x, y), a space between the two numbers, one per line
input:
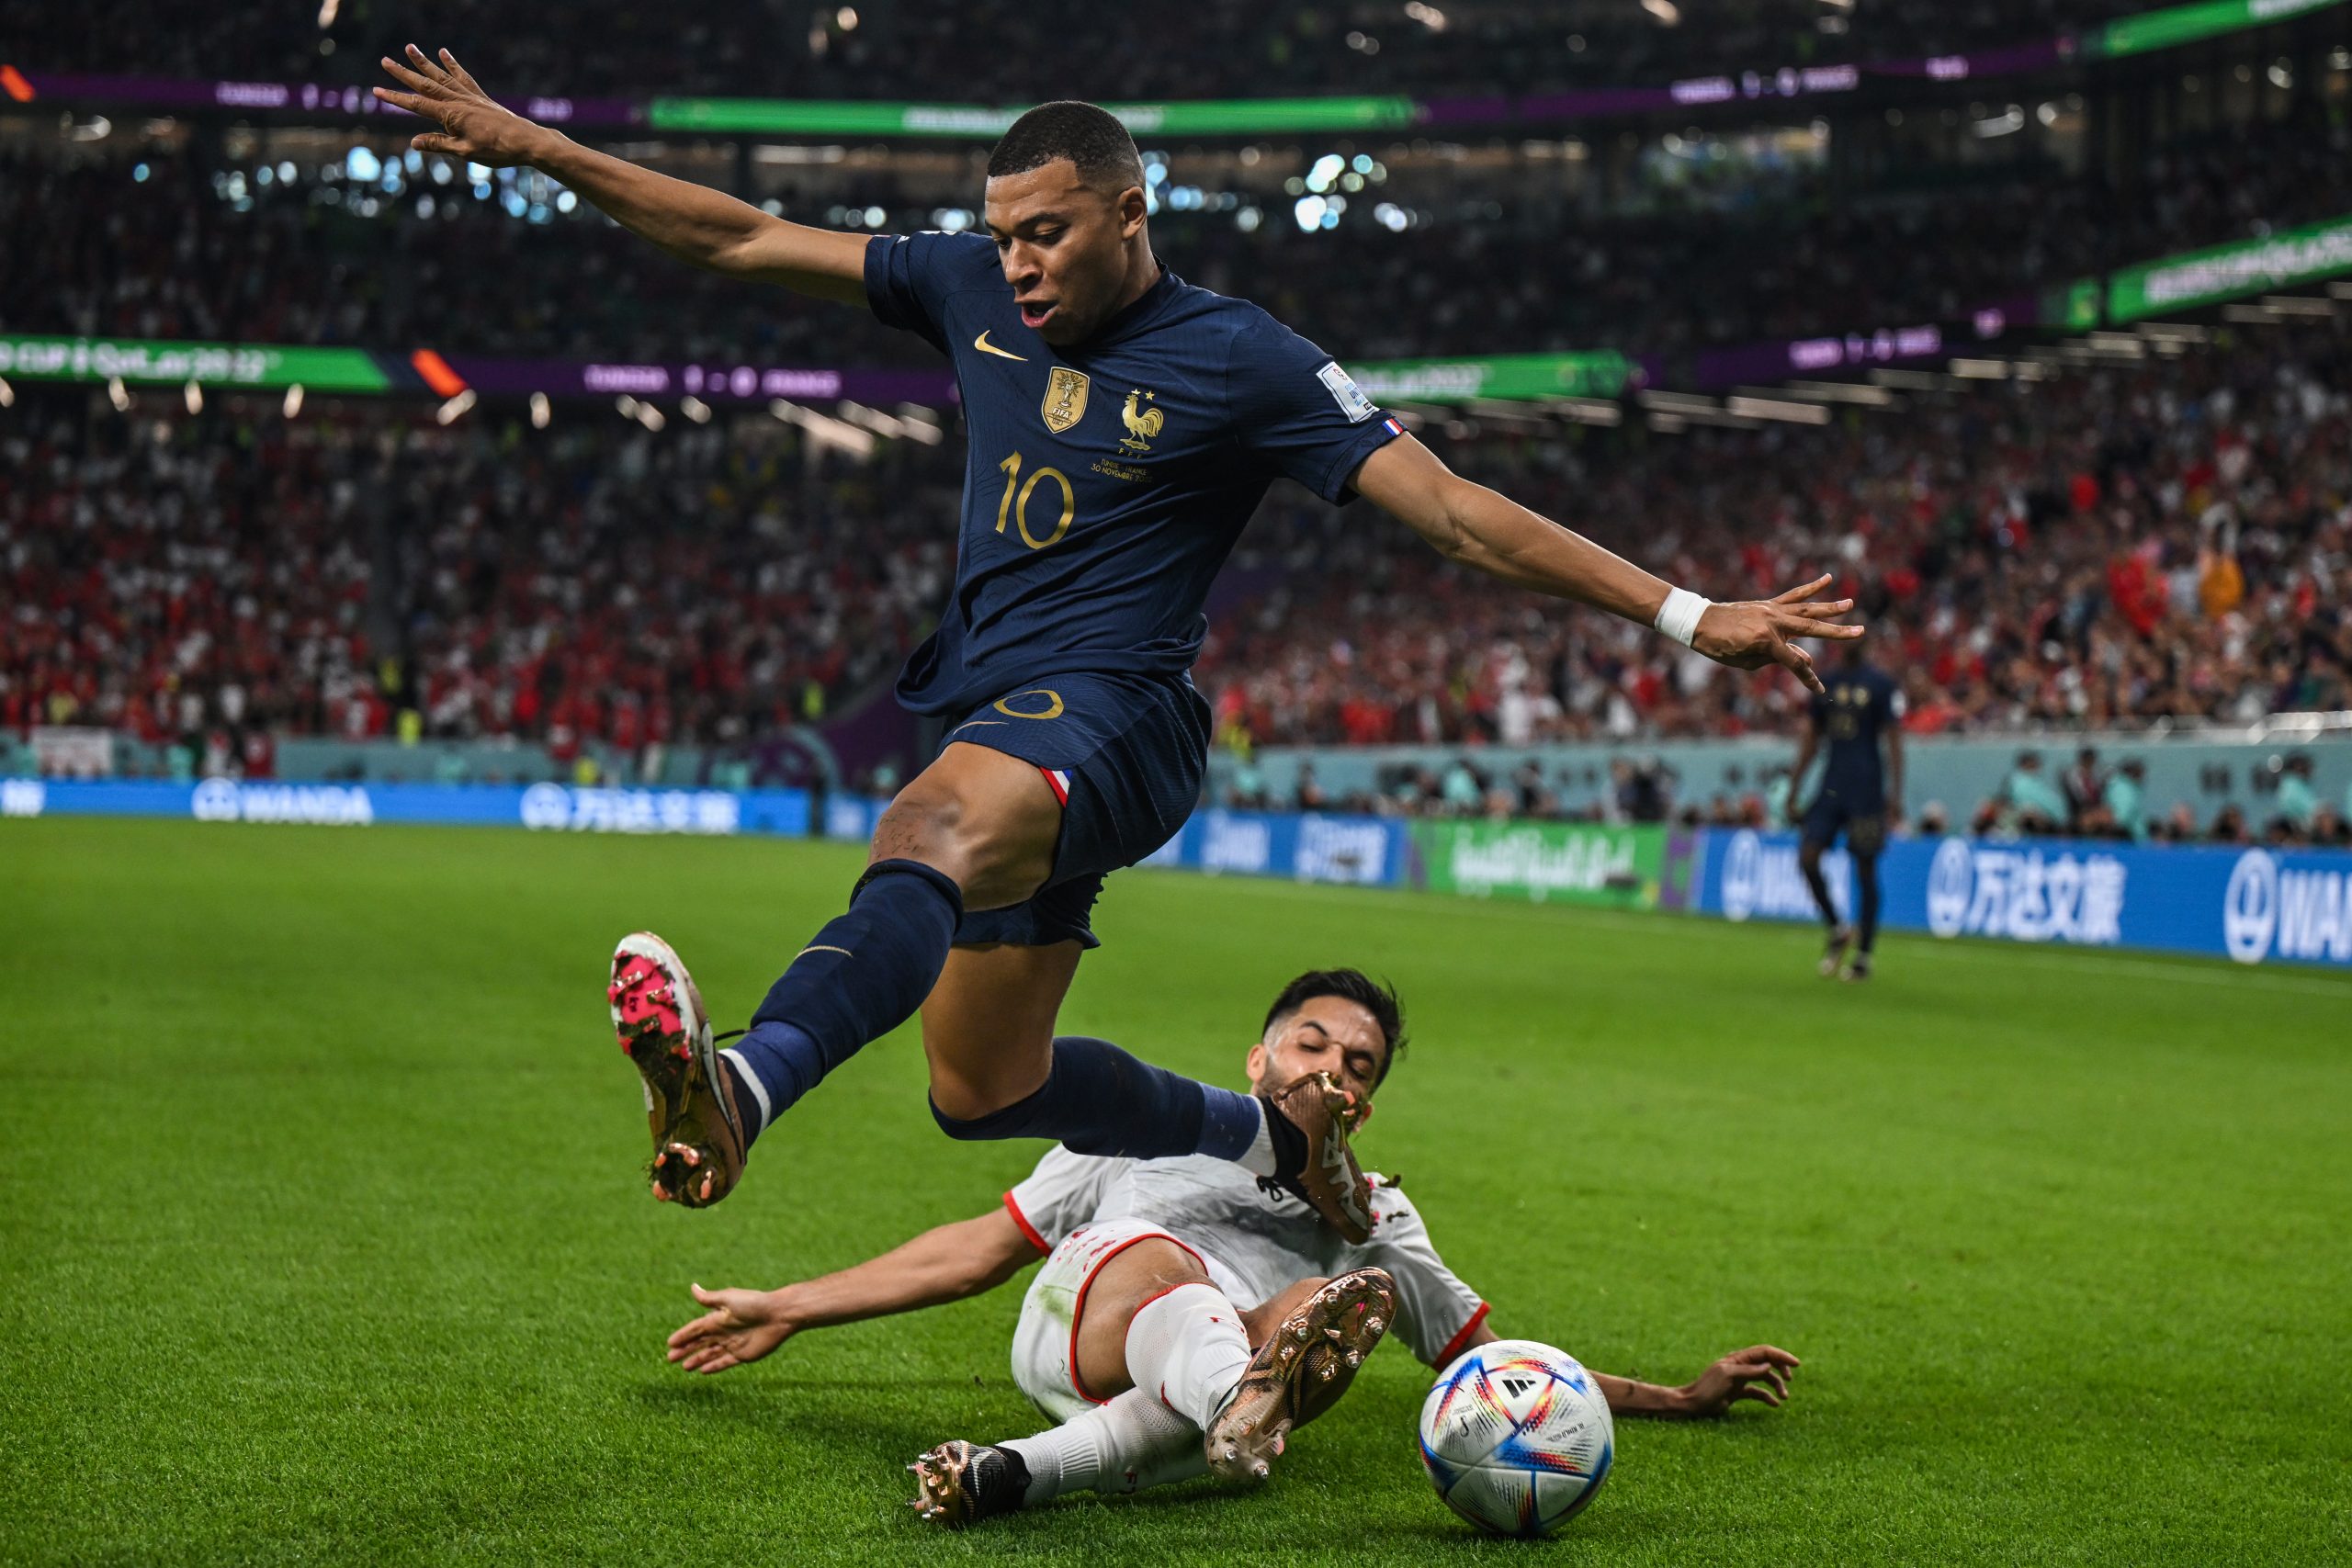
(1453, 1345)
(1022, 1220)
(1078, 1310)
(1054, 782)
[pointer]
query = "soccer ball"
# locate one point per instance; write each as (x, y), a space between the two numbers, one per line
(1516, 1436)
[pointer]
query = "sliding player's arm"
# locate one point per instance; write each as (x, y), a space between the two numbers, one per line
(1468, 522)
(947, 1264)
(697, 225)
(1759, 1373)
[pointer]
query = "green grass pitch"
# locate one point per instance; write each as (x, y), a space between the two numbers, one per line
(324, 1237)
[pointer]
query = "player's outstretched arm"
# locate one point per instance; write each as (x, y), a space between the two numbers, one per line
(697, 225)
(1761, 1372)
(946, 1264)
(1471, 523)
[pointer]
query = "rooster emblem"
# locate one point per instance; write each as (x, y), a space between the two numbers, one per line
(1142, 424)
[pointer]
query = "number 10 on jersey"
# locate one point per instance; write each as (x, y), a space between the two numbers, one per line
(1014, 506)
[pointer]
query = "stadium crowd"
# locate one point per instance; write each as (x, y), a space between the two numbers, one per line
(2092, 799)
(202, 579)
(2173, 541)
(2105, 547)
(193, 250)
(891, 50)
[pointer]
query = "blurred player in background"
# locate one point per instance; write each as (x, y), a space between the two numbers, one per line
(1857, 712)
(1123, 426)
(1131, 1338)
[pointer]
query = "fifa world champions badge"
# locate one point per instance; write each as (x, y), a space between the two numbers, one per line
(1065, 402)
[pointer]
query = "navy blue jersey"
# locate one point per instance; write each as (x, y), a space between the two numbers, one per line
(1857, 705)
(1107, 482)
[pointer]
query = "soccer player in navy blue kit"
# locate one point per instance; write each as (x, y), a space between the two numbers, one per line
(1123, 426)
(1857, 710)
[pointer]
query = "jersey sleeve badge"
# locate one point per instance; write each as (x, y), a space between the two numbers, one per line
(1345, 392)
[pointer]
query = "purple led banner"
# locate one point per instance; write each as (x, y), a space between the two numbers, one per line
(712, 382)
(315, 97)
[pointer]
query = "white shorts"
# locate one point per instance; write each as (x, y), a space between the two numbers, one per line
(1045, 1342)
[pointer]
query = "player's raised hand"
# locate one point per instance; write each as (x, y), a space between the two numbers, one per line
(473, 125)
(1759, 1373)
(741, 1326)
(1752, 633)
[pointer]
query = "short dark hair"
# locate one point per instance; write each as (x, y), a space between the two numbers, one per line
(1090, 137)
(1354, 986)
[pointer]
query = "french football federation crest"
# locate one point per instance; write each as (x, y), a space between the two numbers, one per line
(1065, 402)
(1142, 424)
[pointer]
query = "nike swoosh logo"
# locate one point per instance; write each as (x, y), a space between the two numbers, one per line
(985, 346)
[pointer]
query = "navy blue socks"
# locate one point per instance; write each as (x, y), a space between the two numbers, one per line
(867, 972)
(1101, 1100)
(859, 978)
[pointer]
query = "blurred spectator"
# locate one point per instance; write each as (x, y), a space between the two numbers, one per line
(2027, 803)
(2086, 787)
(2298, 802)
(2122, 802)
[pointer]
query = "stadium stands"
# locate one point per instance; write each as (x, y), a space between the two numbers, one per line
(899, 51)
(158, 246)
(2166, 541)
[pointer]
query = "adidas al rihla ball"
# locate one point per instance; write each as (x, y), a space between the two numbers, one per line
(1516, 1436)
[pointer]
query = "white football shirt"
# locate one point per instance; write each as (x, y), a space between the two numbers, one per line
(1252, 1244)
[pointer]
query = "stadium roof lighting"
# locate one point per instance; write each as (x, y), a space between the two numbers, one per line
(2128, 345)
(2298, 305)
(650, 416)
(118, 394)
(1856, 392)
(2179, 331)
(2252, 315)
(1914, 380)
(454, 409)
(293, 404)
(823, 429)
(2339, 290)
(1585, 410)
(695, 409)
(7, 394)
(542, 411)
(1981, 369)
(1780, 409)
(1676, 402)
(194, 395)
(1668, 15)
(1428, 16)
(922, 423)
(874, 420)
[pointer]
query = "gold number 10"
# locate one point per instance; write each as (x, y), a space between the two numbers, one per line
(1016, 507)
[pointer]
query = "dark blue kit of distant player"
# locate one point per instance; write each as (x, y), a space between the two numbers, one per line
(1105, 485)
(1851, 715)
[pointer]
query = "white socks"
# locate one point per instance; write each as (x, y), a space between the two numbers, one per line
(1131, 1443)
(1187, 1348)
(1259, 1160)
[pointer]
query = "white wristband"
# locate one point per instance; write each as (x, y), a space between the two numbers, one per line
(1679, 616)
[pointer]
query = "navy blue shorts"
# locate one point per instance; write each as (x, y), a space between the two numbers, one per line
(1126, 753)
(1830, 815)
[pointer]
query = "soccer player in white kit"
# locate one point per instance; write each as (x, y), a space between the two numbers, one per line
(1131, 1338)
